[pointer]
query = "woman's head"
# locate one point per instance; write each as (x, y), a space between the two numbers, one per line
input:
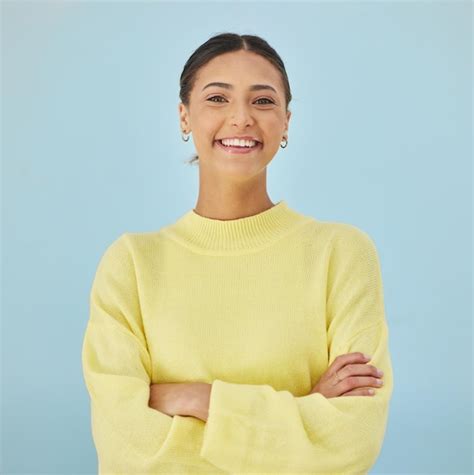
(218, 111)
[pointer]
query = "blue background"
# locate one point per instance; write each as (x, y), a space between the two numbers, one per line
(380, 137)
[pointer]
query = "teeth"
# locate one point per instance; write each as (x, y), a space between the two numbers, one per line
(238, 143)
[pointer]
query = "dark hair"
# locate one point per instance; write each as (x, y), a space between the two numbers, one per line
(225, 43)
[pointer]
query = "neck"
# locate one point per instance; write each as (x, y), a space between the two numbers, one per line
(226, 199)
(216, 209)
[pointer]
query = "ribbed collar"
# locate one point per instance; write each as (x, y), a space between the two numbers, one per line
(215, 236)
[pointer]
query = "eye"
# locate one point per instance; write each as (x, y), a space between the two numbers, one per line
(261, 99)
(214, 97)
(265, 99)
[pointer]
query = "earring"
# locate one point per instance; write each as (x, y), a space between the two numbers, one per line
(286, 143)
(184, 137)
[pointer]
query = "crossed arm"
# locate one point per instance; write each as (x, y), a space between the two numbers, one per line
(182, 399)
(348, 375)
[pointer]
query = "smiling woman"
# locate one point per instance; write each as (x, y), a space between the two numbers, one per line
(229, 340)
(244, 59)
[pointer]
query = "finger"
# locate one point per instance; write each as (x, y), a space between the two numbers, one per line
(360, 392)
(343, 360)
(358, 370)
(355, 382)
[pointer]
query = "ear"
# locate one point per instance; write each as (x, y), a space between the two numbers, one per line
(288, 116)
(183, 117)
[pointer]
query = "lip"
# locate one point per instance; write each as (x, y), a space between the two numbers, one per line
(243, 137)
(239, 150)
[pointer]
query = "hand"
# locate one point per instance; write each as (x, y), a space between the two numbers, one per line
(197, 397)
(182, 399)
(347, 372)
(167, 398)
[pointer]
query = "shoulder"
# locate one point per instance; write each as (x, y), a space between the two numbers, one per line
(351, 249)
(339, 236)
(129, 244)
(350, 236)
(114, 260)
(121, 251)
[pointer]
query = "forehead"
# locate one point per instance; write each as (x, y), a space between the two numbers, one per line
(239, 68)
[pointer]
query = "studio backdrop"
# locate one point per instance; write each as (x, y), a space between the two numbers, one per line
(379, 138)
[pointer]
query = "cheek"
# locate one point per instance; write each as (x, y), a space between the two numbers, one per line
(273, 125)
(276, 121)
(209, 125)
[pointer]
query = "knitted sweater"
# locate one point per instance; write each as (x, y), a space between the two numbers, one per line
(259, 307)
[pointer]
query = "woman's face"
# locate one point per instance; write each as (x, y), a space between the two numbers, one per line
(217, 111)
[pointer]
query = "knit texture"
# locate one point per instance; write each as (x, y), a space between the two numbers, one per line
(259, 307)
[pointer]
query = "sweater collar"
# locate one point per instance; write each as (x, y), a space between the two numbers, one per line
(208, 235)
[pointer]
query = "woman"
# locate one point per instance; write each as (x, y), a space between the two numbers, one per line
(228, 341)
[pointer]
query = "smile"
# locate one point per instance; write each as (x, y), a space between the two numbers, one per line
(234, 149)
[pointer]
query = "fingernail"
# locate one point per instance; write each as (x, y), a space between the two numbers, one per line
(367, 357)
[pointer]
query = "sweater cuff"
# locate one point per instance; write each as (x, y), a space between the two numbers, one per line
(227, 433)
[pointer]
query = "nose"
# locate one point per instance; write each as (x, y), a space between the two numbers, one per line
(241, 115)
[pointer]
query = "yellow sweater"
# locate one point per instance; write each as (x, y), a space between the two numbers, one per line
(259, 307)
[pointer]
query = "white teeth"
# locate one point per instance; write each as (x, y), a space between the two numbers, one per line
(238, 143)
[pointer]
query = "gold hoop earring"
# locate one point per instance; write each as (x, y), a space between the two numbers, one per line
(185, 137)
(286, 143)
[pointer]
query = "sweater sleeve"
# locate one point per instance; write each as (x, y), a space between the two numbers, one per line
(127, 433)
(253, 428)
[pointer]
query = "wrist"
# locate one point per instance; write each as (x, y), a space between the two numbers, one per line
(199, 403)
(186, 404)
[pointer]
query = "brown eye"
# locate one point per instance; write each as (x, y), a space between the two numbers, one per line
(265, 99)
(213, 97)
(269, 101)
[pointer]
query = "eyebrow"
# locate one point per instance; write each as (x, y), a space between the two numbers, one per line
(254, 87)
